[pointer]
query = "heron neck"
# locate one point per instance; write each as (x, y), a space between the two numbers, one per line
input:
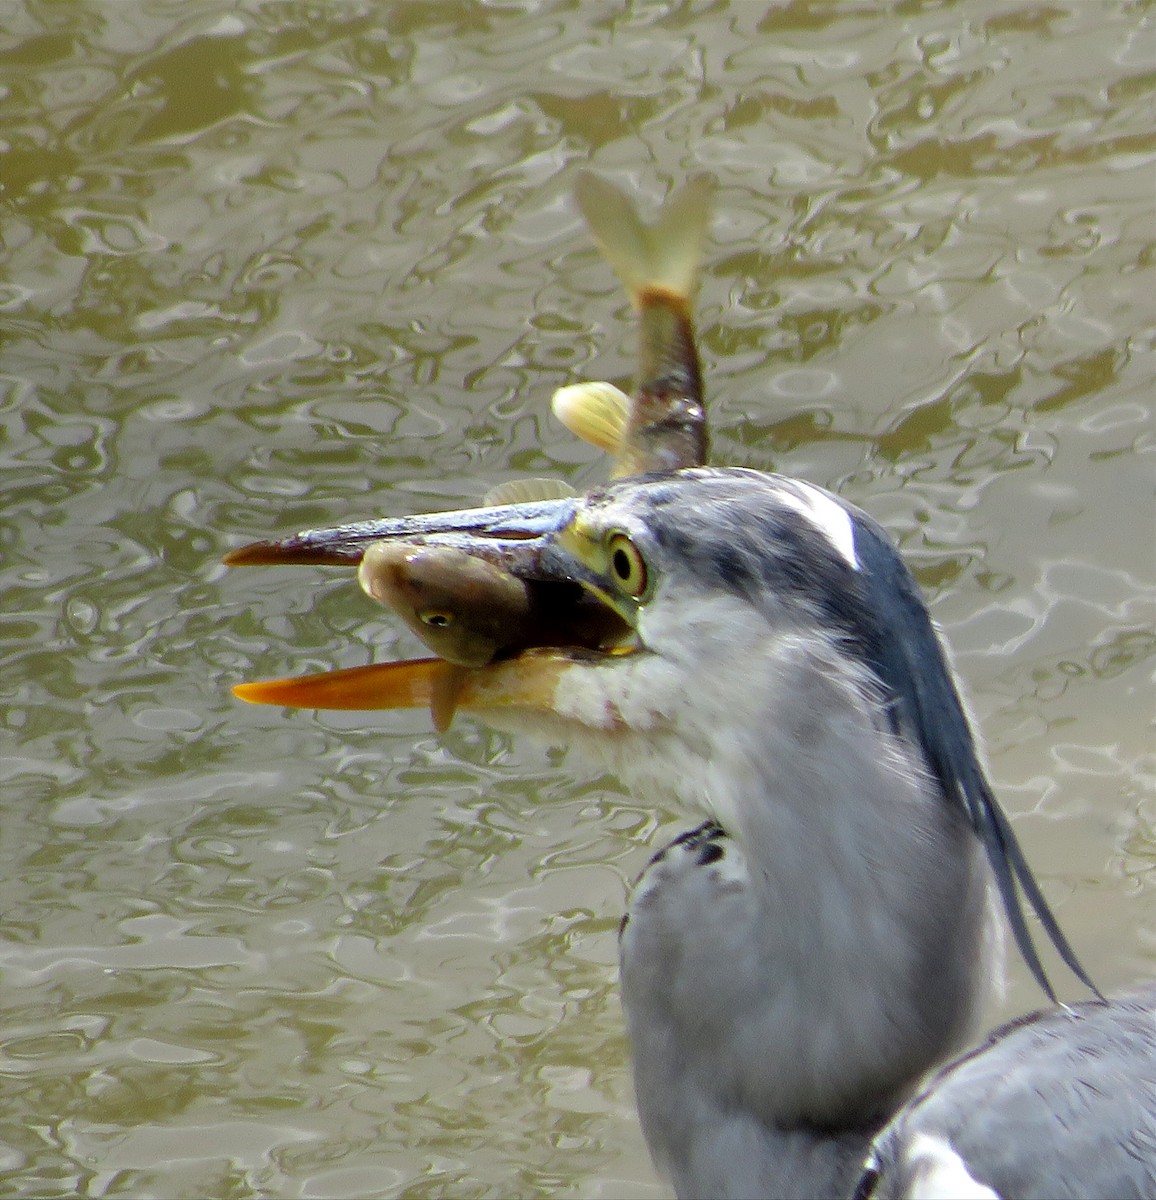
(844, 944)
(801, 987)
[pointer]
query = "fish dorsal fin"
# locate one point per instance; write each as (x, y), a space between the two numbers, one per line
(526, 491)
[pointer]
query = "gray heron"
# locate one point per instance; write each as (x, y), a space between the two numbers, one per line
(753, 648)
(792, 969)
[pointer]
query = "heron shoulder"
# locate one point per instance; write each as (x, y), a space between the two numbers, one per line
(1059, 1103)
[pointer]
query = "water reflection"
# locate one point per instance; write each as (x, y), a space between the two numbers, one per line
(269, 268)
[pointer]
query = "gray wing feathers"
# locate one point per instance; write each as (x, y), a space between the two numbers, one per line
(1062, 1104)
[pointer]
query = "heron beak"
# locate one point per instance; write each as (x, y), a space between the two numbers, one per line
(561, 625)
(498, 532)
(527, 683)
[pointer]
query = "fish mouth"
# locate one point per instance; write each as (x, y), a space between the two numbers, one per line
(564, 625)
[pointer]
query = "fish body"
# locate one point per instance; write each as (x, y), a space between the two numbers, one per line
(658, 265)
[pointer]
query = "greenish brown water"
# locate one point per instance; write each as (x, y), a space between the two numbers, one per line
(268, 266)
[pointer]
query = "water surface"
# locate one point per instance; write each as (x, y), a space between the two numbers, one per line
(269, 266)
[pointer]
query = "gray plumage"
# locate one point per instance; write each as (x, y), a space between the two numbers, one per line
(1058, 1105)
(759, 1069)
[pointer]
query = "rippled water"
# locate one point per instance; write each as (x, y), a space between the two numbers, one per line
(268, 266)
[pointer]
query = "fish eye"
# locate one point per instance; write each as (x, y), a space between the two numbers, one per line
(626, 564)
(437, 618)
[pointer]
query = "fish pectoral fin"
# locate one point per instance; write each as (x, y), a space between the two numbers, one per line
(596, 412)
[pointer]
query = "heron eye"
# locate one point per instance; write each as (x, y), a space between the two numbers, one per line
(436, 617)
(626, 564)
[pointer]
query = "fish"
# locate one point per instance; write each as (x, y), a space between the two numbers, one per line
(470, 584)
(662, 427)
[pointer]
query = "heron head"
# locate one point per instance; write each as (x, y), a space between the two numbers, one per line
(672, 607)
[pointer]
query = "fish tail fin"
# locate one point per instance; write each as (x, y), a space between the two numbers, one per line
(661, 257)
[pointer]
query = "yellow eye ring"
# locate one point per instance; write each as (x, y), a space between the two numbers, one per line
(436, 618)
(626, 564)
